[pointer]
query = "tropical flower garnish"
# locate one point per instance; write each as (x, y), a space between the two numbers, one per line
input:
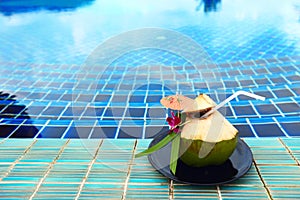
(174, 122)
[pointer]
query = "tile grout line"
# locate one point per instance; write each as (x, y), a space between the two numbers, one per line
(67, 129)
(219, 192)
(289, 151)
(278, 109)
(171, 189)
(26, 108)
(291, 91)
(145, 121)
(16, 161)
(280, 127)
(64, 110)
(129, 171)
(254, 108)
(92, 129)
(251, 127)
(88, 170)
(262, 180)
(42, 129)
(49, 169)
(18, 126)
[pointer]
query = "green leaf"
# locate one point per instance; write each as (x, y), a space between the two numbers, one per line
(174, 153)
(158, 146)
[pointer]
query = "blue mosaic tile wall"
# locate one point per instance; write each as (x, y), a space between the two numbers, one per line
(46, 94)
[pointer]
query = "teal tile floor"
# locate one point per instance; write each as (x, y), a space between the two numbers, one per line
(106, 169)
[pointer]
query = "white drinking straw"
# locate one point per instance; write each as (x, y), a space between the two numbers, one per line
(255, 96)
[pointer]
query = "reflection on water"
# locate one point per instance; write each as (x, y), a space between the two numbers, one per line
(69, 37)
(10, 109)
(10, 7)
(208, 5)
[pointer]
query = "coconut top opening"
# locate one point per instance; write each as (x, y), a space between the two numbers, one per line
(201, 103)
(214, 128)
(197, 113)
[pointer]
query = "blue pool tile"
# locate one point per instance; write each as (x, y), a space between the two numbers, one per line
(267, 109)
(200, 85)
(278, 80)
(53, 96)
(102, 98)
(282, 93)
(92, 111)
(35, 122)
(261, 70)
(59, 122)
(103, 132)
(52, 132)
(26, 131)
(234, 73)
(13, 109)
(114, 112)
(244, 130)
(155, 87)
(247, 71)
(152, 131)
(6, 130)
(85, 98)
(231, 84)
(246, 83)
(119, 98)
(264, 130)
(289, 107)
(153, 98)
(127, 122)
(36, 95)
(78, 132)
(136, 98)
(294, 78)
(73, 111)
(243, 110)
(130, 132)
(126, 87)
(135, 112)
(292, 129)
(108, 122)
(68, 97)
(276, 70)
(156, 113)
(262, 81)
(296, 91)
(53, 110)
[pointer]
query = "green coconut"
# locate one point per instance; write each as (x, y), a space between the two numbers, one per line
(209, 141)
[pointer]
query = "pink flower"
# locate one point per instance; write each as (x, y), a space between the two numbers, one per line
(174, 121)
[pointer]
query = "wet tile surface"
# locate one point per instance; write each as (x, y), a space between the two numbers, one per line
(107, 169)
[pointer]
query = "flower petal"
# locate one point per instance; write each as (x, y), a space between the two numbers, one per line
(177, 120)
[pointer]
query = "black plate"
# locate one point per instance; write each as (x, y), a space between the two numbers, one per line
(236, 166)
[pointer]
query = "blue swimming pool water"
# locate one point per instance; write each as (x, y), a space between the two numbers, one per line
(251, 45)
